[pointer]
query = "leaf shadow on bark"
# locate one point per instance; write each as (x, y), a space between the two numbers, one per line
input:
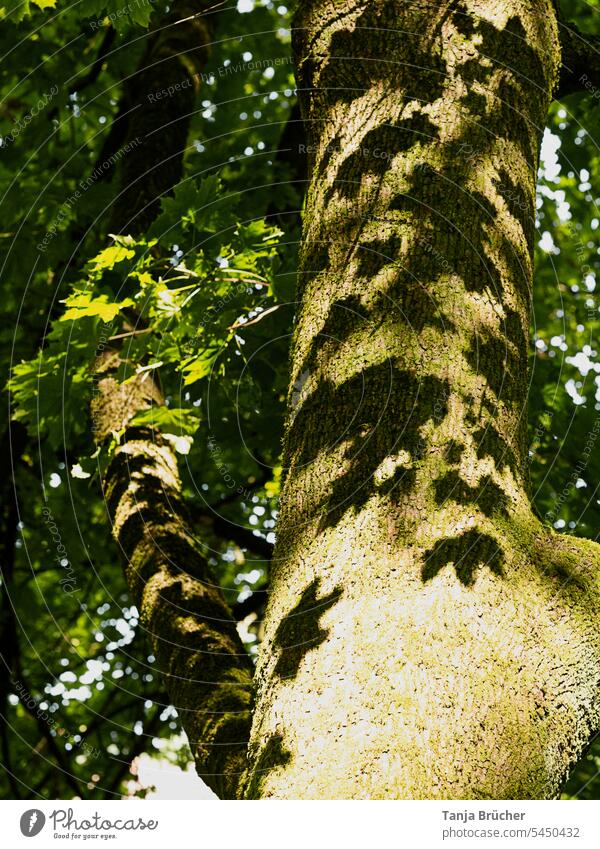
(487, 496)
(378, 413)
(272, 755)
(467, 552)
(300, 631)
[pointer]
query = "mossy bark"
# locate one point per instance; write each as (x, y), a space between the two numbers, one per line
(426, 636)
(199, 654)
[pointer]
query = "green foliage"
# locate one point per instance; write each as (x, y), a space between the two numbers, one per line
(169, 420)
(183, 333)
(51, 390)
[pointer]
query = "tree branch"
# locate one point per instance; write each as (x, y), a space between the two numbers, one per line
(7, 760)
(155, 113)
(207, 672)
(45, 731)
(289, 154)
(11, 448)
(255, 603)
(94, 72)
(150, 726)
(257, 483)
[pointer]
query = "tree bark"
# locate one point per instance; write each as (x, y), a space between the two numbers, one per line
(426, 636)
(200, 657)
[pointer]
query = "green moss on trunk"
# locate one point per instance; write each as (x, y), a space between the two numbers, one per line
(199, 655)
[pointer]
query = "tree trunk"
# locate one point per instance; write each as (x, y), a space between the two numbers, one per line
(155, 112)
(426, 636)
(200, 657)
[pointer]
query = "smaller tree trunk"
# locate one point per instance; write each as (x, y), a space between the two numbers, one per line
(199, 655)
(154, 116)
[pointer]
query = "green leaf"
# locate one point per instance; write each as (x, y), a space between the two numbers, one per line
(83, 304)
(169, 420)
(50, 397)
(109, 257)
(200, 366)
(141, 12)
(194, 202)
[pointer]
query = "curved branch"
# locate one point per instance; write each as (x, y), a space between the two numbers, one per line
(94, 72)
(200, 656)
(206, 670)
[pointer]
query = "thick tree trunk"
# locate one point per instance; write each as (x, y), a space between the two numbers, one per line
(426, 636)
